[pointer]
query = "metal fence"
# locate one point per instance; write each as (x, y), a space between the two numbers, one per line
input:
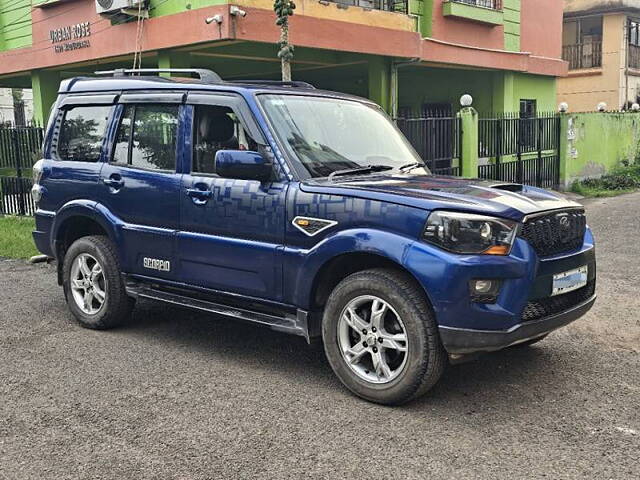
(510, 134)
(15, 196)
(436, 139)
(514, 136)
(399, 6)
(492, 4)
(541, 171)
(634, 56)
(20, 147)
(583, 55)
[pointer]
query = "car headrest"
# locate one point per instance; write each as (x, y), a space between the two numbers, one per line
(216, 128)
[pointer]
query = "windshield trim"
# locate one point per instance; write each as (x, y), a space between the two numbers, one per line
(298, 169)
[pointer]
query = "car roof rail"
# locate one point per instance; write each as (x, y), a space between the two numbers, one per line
(206, 76)
(294, 83)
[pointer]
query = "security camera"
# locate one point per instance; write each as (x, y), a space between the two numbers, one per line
(215, 19)
(237, 11)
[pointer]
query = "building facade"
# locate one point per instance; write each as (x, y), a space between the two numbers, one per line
(601, 43)
(413, 57)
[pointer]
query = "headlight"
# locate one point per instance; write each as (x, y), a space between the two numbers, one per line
(469, 233)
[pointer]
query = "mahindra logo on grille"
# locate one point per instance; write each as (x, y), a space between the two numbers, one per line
(564, 221)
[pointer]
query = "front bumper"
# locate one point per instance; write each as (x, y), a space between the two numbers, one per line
(462, 340)
(524, 308)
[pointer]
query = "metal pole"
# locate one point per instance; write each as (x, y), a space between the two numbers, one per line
(16, 152)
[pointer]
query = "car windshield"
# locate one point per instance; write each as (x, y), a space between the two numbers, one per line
(329, 135)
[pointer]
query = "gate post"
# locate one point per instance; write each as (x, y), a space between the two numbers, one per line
(17, 152)
(468, 142)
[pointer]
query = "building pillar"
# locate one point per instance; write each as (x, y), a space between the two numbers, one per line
(172, 59)
(380, 82)
(45, 85)
(503, 93)
(469, 142)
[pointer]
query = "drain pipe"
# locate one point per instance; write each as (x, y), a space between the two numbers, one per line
(395, 66)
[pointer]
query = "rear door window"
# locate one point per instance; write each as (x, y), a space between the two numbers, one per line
(82, 133)
(147, 137)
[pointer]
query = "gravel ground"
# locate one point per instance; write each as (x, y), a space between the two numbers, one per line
(178, 395)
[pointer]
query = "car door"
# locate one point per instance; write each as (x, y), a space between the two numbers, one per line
(139, 184)
(231, 230)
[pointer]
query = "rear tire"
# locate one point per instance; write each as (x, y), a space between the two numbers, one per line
(385, 308)
(93, 286)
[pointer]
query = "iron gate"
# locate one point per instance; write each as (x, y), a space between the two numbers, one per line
(436, 139)
(521, 149)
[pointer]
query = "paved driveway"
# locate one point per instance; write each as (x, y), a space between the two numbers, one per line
(182, 395)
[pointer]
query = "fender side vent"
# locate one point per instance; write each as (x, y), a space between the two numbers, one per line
(312, 226)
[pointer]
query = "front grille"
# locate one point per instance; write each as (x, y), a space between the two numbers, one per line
(545, 307)
(555, 232)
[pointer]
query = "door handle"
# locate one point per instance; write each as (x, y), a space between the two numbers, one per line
(199, 197)
(115, 183)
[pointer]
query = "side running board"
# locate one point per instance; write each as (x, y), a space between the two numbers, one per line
(292, 324)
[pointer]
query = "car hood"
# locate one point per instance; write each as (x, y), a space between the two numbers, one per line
(432, 192)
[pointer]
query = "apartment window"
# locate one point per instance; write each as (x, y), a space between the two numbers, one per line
(634, 43)
(634, 32)
(582, 42)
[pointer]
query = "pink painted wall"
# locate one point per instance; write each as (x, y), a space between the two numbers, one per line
(541, 27)
(465, 32)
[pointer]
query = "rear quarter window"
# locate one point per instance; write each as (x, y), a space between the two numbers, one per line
(82, 133)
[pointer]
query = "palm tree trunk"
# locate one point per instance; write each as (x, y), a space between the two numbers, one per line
(285, 62)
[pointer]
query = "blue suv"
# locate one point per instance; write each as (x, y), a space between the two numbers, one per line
(303, 210)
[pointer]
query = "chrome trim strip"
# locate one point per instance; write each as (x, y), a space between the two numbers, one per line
(547, 212)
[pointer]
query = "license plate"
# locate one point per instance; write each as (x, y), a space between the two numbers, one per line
(570, 280)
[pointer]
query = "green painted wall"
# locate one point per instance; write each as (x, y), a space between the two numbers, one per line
(511, 9)
(594, 143)
(492, 91)
(15, 24)
(160, 7)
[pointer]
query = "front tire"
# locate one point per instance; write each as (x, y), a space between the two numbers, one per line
(92, 284)
(381, 338)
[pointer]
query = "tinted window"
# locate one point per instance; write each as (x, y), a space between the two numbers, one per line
(82, 132)
(121, 149)
(153, 146)
(217, 128)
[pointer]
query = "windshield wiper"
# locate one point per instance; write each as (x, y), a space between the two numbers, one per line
(360, 170)
(410, 166)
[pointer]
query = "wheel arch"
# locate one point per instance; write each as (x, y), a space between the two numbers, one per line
(76, 220)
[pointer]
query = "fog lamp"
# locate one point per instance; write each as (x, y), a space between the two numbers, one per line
(484, 290)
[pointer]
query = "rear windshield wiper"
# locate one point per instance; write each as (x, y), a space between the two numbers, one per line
(360, 170)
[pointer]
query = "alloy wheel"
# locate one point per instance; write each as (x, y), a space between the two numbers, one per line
(88, 284)
(372, 339)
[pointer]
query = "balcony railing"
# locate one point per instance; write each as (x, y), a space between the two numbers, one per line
(491, 4)
(634, 56)
(399, 6)
(583, 55)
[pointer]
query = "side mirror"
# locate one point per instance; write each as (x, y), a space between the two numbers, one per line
(243, 165)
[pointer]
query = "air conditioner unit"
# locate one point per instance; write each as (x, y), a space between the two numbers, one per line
(117, 7)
